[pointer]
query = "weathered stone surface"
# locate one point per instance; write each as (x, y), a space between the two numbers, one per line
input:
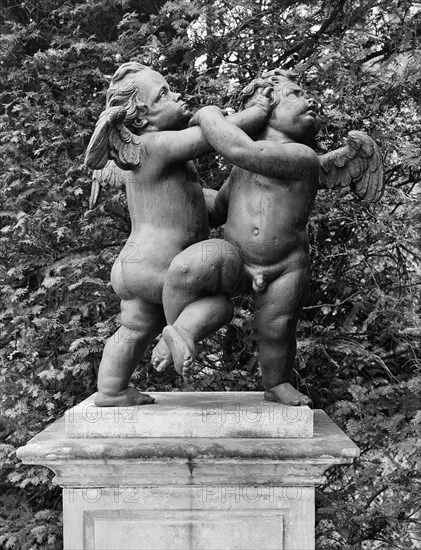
(192, 414)
(193, 460)
(219, 517)
(174, 493)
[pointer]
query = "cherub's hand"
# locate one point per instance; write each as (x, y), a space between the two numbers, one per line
(263, 99)
(210, 109)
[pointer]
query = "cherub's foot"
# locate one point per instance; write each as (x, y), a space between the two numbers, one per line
(286, 394)
(125, 398)
(182, 348)
(161, 356)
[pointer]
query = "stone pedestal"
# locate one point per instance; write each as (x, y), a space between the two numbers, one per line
(190, 472)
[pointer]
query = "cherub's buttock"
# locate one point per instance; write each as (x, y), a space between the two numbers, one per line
(145, 281)
(138, 274)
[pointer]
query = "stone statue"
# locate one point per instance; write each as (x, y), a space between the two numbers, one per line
(144, 130)
(265, 205)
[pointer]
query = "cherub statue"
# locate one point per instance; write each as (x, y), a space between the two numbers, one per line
(265, 205)
(144, 130)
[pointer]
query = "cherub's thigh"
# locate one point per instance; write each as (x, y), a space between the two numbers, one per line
(142, 316)
(213, 265)
(284, 296)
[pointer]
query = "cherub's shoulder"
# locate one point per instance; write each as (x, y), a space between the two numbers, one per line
(149, 140)
(155, 149)
(298, 153)
(174, 146)
(303, 151)
(158, 143)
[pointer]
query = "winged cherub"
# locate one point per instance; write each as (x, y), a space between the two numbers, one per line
(144, 130)
(265, 205)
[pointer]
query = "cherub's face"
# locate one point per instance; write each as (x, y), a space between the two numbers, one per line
(165, 110)
(295, 115)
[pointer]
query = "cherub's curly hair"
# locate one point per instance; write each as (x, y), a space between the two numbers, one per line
(124, 92)
(264, 81)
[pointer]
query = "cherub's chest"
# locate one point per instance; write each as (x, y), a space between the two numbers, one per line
(179, 172)
(253, 185)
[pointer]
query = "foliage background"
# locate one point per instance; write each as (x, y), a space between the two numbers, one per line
(359, 347)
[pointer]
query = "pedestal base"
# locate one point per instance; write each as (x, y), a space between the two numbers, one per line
(190, 493)
(243, 517)
(192, 414)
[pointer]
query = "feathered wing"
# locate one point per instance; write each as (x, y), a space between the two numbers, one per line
(358, 165)
(113, 149)
(111, 174)
(111, 140)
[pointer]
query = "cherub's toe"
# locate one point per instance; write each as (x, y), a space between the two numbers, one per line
(160, 362)
(163, 364)
(187, 368)
(182, 349)
(188, 362)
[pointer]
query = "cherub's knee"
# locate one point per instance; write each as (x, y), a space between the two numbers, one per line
(138, 317)
(132, 324)
(278, 329)
(181, 275)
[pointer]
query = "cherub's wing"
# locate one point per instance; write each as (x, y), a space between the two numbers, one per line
(358, 165)
(111, 174)
(111, 140)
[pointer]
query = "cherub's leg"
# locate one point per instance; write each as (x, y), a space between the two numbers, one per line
(198, 320)
(195, 297)
(277, 311)
(141, 322)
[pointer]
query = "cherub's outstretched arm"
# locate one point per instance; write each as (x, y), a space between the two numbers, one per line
(112, 140)
(191, 143)
(272, 159)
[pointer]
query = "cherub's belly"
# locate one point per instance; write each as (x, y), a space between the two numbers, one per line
(267, 221)
(272, 251)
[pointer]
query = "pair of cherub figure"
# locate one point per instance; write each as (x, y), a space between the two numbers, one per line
(170, 277)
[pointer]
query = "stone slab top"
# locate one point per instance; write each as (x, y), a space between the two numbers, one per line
(329, 445)
(191, 415)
